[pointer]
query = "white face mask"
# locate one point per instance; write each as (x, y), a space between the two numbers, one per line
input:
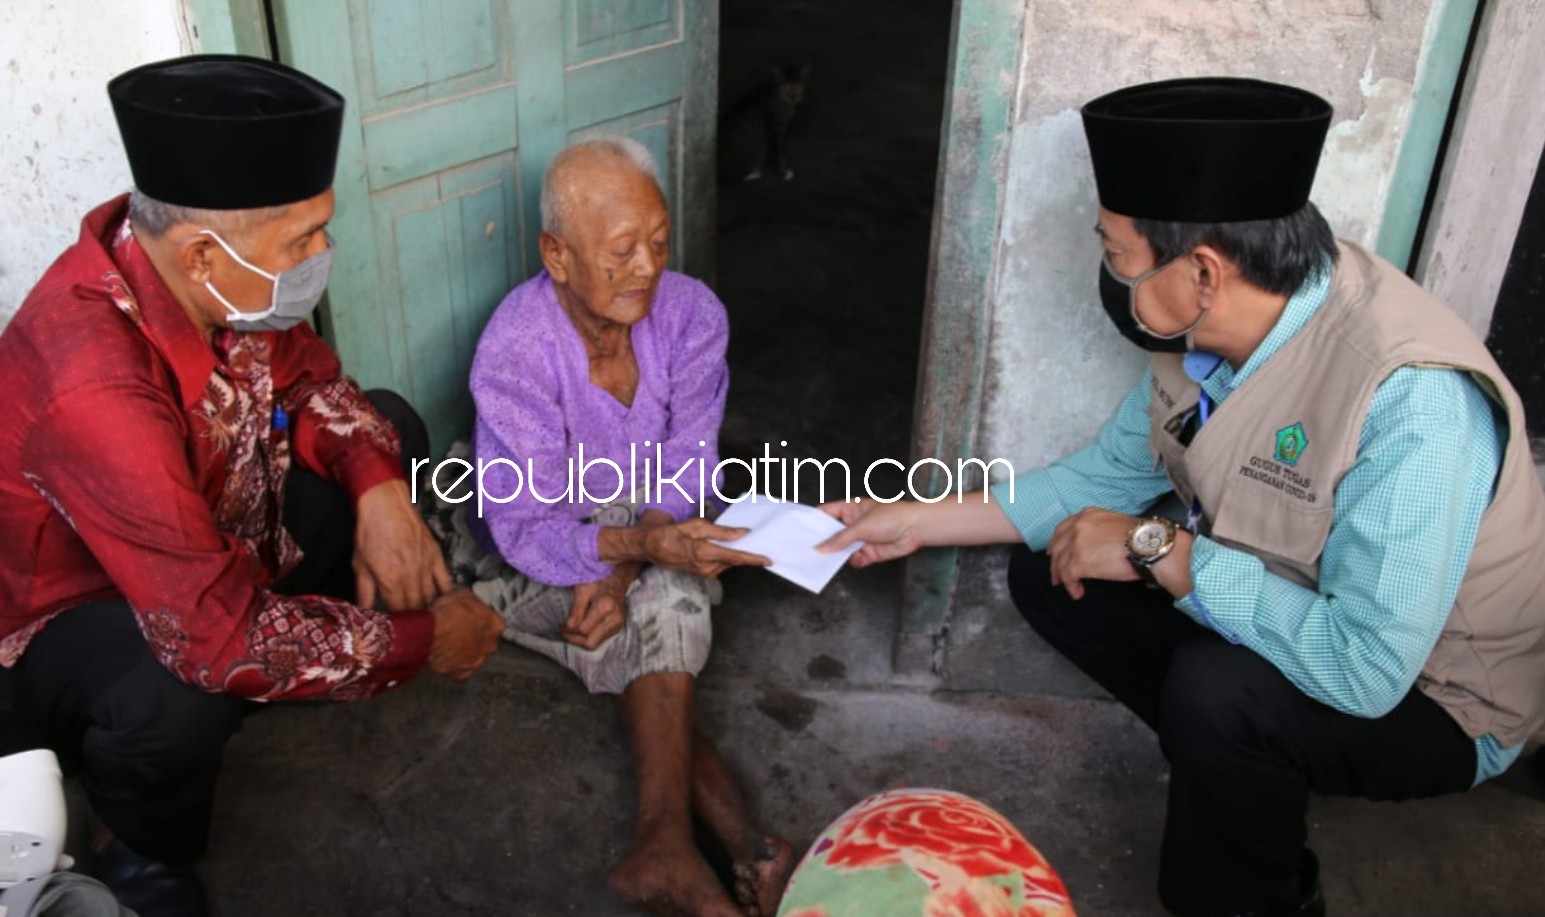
(296, 291)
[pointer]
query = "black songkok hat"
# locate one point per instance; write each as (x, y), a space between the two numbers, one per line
(226, 132)
(1208, 150)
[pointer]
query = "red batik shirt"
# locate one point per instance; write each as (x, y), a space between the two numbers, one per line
(140, 460)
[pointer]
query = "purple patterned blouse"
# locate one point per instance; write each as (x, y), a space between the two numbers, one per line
(536, 406)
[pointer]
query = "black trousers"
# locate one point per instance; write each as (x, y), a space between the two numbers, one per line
(148, 747)
(1245, 746)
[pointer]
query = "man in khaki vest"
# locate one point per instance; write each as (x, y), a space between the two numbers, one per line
(1354, 600)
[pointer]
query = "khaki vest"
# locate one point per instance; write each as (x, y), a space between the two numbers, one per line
(1266, 466)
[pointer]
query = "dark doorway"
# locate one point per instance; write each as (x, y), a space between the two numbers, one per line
(824, 274)
(1517, 337)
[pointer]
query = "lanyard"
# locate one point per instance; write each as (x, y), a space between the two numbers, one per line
(1203, 411)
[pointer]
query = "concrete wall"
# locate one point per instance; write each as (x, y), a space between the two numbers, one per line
(1056, 367)
(1489, 169)
(59, 149)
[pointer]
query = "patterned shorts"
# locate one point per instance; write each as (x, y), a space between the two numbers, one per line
(668, 628)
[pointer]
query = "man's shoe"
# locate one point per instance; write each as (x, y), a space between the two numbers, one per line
(1312, 904)
(147, 887)
(1310, 900)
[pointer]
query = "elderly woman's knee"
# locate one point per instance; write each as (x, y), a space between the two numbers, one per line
(674, 592)
(669, 612)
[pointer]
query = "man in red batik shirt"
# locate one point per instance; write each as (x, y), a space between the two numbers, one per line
(177, 439)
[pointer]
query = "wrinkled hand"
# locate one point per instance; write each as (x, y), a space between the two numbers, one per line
(685, 546)
(1091, 544)
(886, 529)
(396, 559)
(466, 634)
(600, 609)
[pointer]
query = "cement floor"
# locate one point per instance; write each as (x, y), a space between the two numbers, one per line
(512, 795)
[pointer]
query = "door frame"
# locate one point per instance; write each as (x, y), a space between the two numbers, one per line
(983, 73)
(1493, 153)
(230, 27)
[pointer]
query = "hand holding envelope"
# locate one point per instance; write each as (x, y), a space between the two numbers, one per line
(787, 534)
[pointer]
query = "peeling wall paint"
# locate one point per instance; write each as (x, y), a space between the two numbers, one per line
(59, 146)
(1056, 369)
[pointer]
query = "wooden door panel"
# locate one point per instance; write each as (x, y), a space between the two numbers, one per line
(449, 237)
(622, 85)
(455, 111)
(410, 144)
(601, 28)
(637, 93)
(426, 45)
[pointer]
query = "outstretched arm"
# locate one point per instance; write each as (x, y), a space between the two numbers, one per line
(892, 530)
(1116, 471)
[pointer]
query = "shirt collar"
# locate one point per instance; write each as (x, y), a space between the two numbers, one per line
(162, 319)
(1219, 379)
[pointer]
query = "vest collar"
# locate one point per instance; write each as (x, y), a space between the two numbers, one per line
(1220, 379)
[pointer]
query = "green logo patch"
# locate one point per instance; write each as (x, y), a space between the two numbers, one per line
(1291, 443)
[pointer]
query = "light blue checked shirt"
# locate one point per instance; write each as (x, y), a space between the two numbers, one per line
(1409, 508)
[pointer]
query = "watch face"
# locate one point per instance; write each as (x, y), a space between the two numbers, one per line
(1148, 539)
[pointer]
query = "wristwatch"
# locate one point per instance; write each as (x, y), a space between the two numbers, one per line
(1149, 542)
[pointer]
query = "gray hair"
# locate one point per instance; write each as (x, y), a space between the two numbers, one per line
(156, 217)
(558, 194)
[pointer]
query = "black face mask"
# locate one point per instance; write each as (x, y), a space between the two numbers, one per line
(1119, 297)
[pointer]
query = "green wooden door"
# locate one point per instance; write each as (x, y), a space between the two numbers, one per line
(455, 108)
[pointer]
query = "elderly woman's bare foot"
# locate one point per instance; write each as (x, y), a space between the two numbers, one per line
(671, 878)
(759, 881)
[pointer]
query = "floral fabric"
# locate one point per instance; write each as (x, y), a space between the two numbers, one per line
(923, 853)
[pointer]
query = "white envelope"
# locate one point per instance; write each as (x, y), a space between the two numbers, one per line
(786, 534)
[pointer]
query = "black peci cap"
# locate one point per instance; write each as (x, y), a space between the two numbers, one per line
(1208, 150)
(226, 132)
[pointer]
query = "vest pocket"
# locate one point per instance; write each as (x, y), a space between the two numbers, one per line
(1287, 534)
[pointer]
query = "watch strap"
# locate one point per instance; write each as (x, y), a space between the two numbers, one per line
(1144, 571)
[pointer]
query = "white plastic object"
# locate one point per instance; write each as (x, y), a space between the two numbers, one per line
(32, 816)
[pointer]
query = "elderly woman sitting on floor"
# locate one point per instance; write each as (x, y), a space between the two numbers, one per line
(608, 351)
